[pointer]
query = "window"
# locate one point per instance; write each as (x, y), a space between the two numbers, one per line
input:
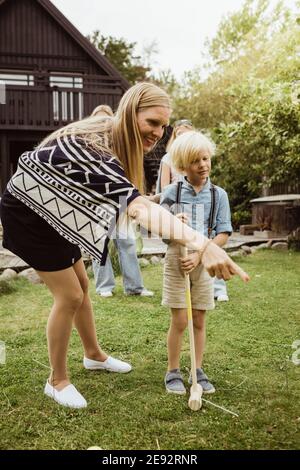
(64, 81)
(67, 105)
(22, 79)
(2, 92)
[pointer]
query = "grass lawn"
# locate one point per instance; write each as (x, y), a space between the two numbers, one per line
(248, 358)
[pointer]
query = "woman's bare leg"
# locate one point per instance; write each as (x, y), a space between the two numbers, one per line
(68, 297)
(84, 318)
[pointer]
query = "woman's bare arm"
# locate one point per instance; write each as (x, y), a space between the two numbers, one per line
(161, 222)
(221, 239)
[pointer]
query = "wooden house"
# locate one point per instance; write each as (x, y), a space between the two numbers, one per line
(50, 75)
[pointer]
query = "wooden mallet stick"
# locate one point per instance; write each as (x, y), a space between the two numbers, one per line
(195, 401)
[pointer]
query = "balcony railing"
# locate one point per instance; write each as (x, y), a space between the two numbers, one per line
(44, 105)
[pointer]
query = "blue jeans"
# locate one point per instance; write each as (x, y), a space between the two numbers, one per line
(132, 278)
(220, 287)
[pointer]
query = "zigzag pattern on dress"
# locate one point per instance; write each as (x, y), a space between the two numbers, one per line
(78, 193)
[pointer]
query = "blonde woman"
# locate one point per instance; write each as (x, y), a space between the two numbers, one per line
(68, 194)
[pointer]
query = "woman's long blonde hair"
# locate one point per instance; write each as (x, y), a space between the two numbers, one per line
(119, 136)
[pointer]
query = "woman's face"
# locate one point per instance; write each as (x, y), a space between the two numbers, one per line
(151, 123)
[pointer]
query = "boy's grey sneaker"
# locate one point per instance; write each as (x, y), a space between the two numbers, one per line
(144, 293)
(202, 379)
(174, 382)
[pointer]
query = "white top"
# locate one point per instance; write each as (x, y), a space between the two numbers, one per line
(174, 174)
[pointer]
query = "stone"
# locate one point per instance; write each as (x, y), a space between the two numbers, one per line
(162, 261)
(9, 260)
(155, 260)
(246, 249)
(262, 246)
(8, 274)
(280, 246)
(31, 275)
(143, 262)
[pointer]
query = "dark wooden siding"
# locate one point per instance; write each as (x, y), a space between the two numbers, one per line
(31, 107)
(292, 187)
(37, 40)
(279, 217)
(31, 38)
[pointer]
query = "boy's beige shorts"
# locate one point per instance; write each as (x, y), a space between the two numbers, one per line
(202, 289)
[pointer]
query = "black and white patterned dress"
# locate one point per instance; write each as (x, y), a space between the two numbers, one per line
(63, 198)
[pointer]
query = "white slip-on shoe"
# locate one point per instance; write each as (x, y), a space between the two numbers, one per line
(68, 396)
(107, 293)
(111, 364)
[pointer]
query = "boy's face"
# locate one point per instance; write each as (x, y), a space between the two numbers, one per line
(199, 169)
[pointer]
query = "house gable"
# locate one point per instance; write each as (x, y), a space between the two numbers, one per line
(52, 76)
(35, 34)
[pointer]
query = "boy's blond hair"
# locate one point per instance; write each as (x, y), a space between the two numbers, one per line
(187, 148)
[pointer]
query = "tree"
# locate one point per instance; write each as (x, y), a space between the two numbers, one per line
(250, 101)
(234, 30)
(263, 148)
(120, 53)
(166, 80)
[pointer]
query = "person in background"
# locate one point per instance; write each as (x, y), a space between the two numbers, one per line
(152, 161)
(167, 173)
(103, 110)
(126, 248)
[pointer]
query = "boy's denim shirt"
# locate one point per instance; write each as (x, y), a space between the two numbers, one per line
(197, 207)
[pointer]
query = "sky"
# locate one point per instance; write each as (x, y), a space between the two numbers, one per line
(179, 27)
